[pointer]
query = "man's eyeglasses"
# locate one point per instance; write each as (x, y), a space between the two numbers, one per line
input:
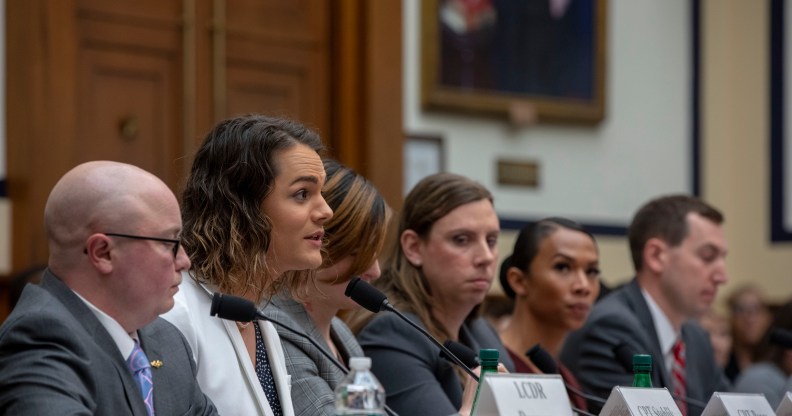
(175, 243)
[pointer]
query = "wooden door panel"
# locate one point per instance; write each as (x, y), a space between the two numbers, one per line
(77, 68)
(290, 76)
(260, 91)
(130, 71)
(127, 111)
(122, 34)
(145, 10)
(280, 21)
(277, 59)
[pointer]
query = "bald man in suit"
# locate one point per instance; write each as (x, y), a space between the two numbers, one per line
(114, 266)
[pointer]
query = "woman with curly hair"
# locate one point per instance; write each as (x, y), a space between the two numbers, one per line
(254, 220)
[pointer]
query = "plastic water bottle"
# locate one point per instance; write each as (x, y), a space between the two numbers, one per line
(360, 393)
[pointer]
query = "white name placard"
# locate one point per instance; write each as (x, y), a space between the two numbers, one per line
(522, 395)
(738, 404)
(634, 401)
(785, 408)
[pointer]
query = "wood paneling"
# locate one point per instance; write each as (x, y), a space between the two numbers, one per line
(141, 81)
(277, 59)
(367, 92)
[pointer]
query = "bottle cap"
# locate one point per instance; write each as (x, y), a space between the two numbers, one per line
(360, 363)
(489, 355)
(642, 361)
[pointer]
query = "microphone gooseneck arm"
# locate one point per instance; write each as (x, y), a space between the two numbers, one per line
(426, 333)
(231, 307)
(369, 297)
(546, 363)
(465, 354)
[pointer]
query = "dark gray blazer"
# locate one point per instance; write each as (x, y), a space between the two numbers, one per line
(417, 381)
(623, 317)
(313, 376)
(57, 359)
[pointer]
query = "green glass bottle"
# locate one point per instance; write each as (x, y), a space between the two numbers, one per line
(642, 370)
(489, 364)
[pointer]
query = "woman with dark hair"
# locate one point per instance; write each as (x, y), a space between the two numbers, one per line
(749, 318)
(771, 373)
(440, 269)
(254, 220)
(553, 277)
(354, 238)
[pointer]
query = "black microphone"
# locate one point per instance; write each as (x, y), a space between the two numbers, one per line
(624, 354)
(547, 364)
(372, 299)
(781, 337)
(465, 354)
(366, 295)
(238, 309)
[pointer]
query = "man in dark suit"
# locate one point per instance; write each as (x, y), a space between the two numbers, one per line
(678, 249)
(115, 261)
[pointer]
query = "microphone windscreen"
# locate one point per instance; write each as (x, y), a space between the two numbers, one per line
(781, 337)
(465, 354)
(542, 359)
(365, 294)
(233, 308)
(624, 355)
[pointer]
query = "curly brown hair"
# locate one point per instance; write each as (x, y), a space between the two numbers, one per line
(226, 233)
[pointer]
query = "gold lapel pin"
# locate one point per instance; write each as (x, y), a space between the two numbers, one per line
(156, 363)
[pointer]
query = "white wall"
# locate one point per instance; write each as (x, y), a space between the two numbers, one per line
(596, 175)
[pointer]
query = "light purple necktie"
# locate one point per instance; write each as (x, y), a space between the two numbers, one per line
(141, 369)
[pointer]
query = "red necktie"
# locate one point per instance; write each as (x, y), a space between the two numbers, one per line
(678, 374)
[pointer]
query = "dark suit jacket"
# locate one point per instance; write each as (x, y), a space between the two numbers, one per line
(313, 376)
(417, 381)
(57, 359)
(623, 318)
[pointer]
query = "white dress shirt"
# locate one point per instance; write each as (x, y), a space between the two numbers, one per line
(665, 331)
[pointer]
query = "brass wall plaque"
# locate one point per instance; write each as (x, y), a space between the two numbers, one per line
(523, 173)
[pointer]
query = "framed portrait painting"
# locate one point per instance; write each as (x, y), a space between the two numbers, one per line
(535, 60)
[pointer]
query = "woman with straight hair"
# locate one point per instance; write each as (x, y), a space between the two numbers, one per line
(438, 272)
(354, 238)
(553, 277)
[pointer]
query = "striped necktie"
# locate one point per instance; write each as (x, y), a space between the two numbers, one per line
(678, 374)
(141, 370)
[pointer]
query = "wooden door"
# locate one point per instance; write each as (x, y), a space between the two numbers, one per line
(141, 81)
(88, 80)
(129, 96)
(276, 59)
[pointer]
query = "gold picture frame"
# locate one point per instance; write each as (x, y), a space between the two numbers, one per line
(504, 58)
